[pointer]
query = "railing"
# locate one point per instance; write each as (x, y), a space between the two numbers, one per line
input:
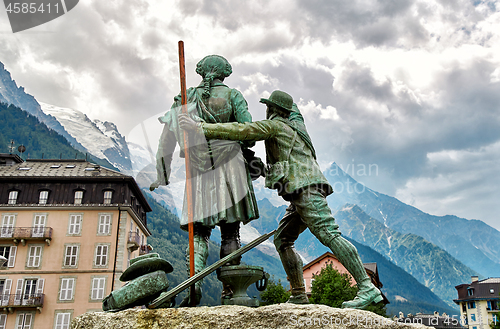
(22, 300)
(26, 233)
(135, 238)
(145, 249)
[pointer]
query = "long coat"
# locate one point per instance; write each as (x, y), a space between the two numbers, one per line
(222, 187)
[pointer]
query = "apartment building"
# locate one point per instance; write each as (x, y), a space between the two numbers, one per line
(479, 302)
(68, 230)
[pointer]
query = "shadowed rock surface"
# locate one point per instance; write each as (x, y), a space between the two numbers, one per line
(223, 317)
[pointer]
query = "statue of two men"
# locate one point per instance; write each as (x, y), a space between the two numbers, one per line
(221, 183)
(295, 174)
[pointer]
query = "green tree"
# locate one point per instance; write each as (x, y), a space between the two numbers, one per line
(275, 293)
(495, 324)
(332, 288)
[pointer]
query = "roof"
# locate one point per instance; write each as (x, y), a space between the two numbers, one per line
(490, 280)
(319, 259)
(10, 158)
(479, 290)
(58, 169)
(369, 266)
(47, 169)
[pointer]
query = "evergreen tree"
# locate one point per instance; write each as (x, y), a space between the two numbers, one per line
(332, 288)
(275, 293)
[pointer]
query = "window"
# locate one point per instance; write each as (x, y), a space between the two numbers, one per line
(5, 288)
(8, 252)
(471, 305)
(71, 256)
(3, 320)
(66, 289)
(492, 291)
(101, 255)
(312, 280)
(39, 225)
(470, 291)
(7, 226)
(44, 196)
(107, 197)
(464, 307)
(75, 224)
(62, 320)
(98, 287)
(13, 197)
(34, 256)
(24, 321)
(78, 197)
(29, 291)
(473, 318)
(104, 224)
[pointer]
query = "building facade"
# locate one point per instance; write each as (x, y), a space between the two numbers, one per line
(479, 302)
(68, 229)
(314, 268)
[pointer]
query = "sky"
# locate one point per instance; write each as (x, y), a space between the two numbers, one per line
(409, 87)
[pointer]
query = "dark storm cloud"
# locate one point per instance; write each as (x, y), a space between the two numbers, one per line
(84, 46)
(386, 125)
(366, 23)
(468, 117)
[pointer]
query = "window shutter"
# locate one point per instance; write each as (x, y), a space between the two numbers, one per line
(12, 256)
(19, 292)
(28, 317)
(95, 287)
(6, 292)
(3, 320)
(39, 286)
(62, 293)
(104, 255)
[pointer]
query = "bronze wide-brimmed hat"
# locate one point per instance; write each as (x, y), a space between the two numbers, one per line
(280, 99)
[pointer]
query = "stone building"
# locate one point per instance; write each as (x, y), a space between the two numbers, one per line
(68, 230)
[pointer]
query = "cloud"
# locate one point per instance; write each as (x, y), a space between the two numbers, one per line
(462, 183)
(398, 84)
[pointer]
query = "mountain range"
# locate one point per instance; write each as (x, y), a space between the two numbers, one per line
(438, 251)
(101, 139)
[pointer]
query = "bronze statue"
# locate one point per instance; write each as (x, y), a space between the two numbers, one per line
(222, 189)
(295, 174)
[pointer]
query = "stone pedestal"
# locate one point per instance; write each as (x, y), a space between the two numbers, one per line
(285, 316)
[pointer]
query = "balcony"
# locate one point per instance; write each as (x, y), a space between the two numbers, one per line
(145, 249)
(134, 241)
(16, 301)
(23, 234)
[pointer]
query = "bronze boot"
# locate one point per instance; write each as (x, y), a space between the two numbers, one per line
(293, 268)
(348, 255)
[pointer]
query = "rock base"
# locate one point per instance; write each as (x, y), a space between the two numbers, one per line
(231, 316)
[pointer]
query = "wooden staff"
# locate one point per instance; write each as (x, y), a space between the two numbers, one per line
(189, 189)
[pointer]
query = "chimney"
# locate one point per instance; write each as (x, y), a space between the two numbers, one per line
(474, 278)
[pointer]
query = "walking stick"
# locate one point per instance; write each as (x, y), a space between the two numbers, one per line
(189, 189)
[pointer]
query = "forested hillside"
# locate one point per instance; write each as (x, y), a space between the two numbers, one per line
(39, 140)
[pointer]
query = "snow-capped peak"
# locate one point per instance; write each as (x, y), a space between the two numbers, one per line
(101, 139)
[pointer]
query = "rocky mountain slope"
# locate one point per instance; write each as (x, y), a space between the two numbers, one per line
(100, 139)
(472, 242)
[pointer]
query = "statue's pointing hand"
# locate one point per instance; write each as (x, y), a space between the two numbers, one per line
(186, 123)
